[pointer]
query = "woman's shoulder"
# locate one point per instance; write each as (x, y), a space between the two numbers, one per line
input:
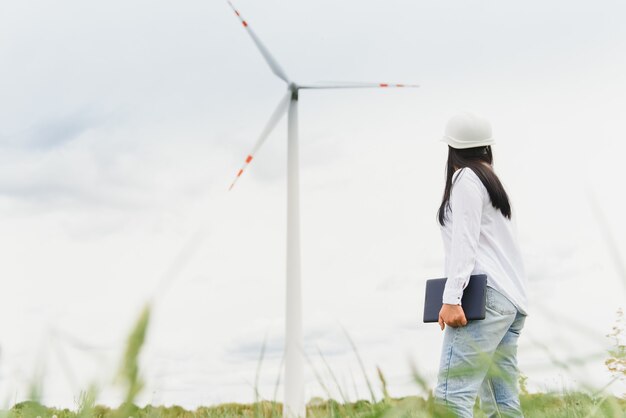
(465, 180)
(465, 173)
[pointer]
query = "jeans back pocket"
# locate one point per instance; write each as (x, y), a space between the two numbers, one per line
(499, 303)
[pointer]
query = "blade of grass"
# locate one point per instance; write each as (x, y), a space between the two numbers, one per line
(332, 375)
(129, 369)
(258, 375)
(356, 352)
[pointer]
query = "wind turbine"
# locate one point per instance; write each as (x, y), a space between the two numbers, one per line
(294, 402)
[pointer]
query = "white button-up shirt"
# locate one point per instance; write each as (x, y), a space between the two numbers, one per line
(478, 239)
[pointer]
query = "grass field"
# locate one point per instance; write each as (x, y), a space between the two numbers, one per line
(534, 405)
(548, 405)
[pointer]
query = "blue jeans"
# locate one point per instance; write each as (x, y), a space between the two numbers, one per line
(481, 359)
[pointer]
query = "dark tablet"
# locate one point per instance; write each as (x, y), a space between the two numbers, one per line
(472, 301)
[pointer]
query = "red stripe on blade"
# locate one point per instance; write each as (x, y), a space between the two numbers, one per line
(240, 171)
(245, 24)
(384, 85)
(249, 158)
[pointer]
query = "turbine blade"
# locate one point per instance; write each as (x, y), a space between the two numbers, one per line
(271, 123)
(276, 68)
(351, 85)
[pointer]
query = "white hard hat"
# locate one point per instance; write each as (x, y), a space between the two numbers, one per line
(466, 130)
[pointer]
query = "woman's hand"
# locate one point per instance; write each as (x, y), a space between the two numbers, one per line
(452, 315)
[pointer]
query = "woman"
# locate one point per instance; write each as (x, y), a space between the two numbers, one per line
(479, 357)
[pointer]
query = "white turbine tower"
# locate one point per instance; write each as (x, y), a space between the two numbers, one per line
(294, 402)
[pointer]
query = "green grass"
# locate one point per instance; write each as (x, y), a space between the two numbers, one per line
(534, 405)
(544, 405)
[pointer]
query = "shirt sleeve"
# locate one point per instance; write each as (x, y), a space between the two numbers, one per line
(466, 204)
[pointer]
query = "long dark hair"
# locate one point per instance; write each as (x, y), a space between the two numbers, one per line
(474, 158)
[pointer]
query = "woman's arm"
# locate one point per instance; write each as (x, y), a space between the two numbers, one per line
(466, 204)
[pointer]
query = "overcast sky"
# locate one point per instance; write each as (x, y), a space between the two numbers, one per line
(123, 123)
